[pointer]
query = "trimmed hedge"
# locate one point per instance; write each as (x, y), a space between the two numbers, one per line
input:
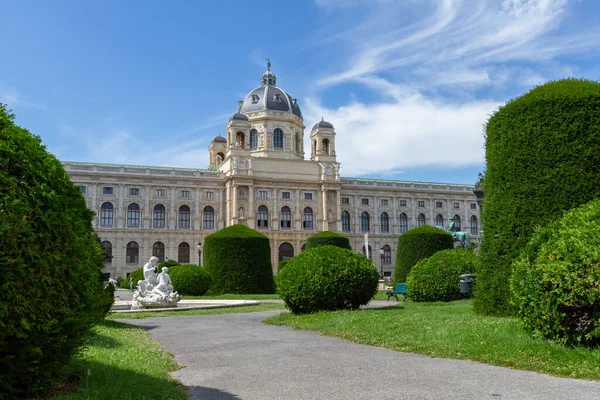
(328, 238)
(542, 159)
(138, 275)
(437, 278)
(555, 283)
(190, 279)
(282, 264)
(327, 278)
(239, 261)
(50, 263)
(417, 244)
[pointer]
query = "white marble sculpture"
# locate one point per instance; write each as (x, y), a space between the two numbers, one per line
(155, 290)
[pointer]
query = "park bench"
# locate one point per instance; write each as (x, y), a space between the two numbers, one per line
(399, 289)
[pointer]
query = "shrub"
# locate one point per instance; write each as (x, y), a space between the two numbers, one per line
(327, 278)
(437, 278)
(555, 284)
(282, 264)
(190, 279)
(328, 238)
(238, 260)
(50, 263)
(138, 275)
(417, 244)
(542, 158)
(168, 264)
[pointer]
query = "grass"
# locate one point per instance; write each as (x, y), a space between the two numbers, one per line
(450, 330)
(198, 311)
(235, 297)
(122, 362)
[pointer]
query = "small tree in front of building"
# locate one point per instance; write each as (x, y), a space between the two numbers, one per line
(328, 238)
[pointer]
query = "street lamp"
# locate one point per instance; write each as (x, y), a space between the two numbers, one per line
(381, 252)
(199, 253)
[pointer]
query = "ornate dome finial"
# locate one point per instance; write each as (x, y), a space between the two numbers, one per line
(268, 64)
(268, 78)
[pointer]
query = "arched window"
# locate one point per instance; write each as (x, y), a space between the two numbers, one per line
(370, 252)
(253, 139)
(439, 220)
(403, 223)
(286, 218)
(385, 222)
(365, 224)
(474, 228)
(325, 146)
(239, 139)
(298, 142)
(106, 214)
(208, 218)
(220, 158)
(286, 251)
(387, 254)
(421, 220)
(262, 218)
(303, 247)
(132, 253)
(184, 217)
(158, 216)
(183, 253)
(278, 139)
(107, 249)
(158, 251)
(133, 215)
(307, 218)
(457, 222)
(345, 221)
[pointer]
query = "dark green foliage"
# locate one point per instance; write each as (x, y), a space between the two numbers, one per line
(169, 264)
(417, 244)
(138, 275)
(327, 278)
(238, 260)
(555, 283)
(282, 264)
(328, 238)
(190, 279)
(50, 263)
(437, 278)
(542, 159)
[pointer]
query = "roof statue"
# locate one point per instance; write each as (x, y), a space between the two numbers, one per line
(268, 64)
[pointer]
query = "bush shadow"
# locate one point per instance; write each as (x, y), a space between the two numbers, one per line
(206, 393)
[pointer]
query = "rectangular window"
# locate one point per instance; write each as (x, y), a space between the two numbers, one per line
(83, 189)
(185, 194)
(456, 205)
(159, 192)
(365, 202)
(402, 203)
(307, 196)
(285, 195)
(421, 203)
(209, 195)
(107, 190)
(438, 204)
(345, 200)
(384, 202)
(134, 191)
(262, 194)
(473, 206)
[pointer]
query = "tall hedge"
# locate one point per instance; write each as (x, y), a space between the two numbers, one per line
(190, 279)
(239, 261)
(328, 238)
(542, 158)
(50, 263)
(417, 244)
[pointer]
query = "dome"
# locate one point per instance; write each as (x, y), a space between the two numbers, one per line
(322, 124)
(239, 117)
(220, 139)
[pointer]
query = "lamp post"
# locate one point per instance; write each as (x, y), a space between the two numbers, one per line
(199, 253)
(381, 252)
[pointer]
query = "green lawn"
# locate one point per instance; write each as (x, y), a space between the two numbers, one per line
(450, 330)
(235, 297)
(198, 311)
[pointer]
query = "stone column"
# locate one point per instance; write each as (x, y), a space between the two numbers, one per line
(171, 224)
(338, 211)
(234, 202)
(196, 222)
(298, 212)
(147, 211)
(121, 212)
(251, 215)
(325, 225)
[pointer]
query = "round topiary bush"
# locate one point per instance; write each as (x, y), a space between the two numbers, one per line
(282, 264)
(50, 260)
(327, 278)
(542, 159)
(437, 278)
(555, 282)
(137, 274)
(417, 244)
(328, 238)
(238, 260)
(190, 279)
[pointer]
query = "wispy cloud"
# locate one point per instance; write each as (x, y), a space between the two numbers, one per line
(15, 99)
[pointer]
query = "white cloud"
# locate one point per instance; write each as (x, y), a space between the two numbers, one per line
(14, 99)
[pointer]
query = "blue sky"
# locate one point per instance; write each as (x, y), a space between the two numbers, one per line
(408, 84)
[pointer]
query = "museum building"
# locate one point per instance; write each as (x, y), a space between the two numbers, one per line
(258, 176)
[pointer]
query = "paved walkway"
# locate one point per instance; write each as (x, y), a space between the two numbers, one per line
(236, 356)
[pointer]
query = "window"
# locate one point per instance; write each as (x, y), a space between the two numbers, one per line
(134, 191)
(387, 254)
(402, 223)
(456, 205)
(402, 203)
(185, 194)
(421, 220)
(307, 218)
(184, 217)
(474, 228)
(158, 216)
(107, 190)
(277, 98)
(325, 146)
(285, 195)
(262, 218)
(345, 200)
(132, 253)
(133, 215)
(159, 192)
(298, 142)
(345, 221)
(365, 225)
(253, 139)
(438, 204)
(262, 194)
(255, 98)
(308, 196)
(209, 195)
(385, 223)
(439, 220)
(456, 219)
(106, 214)
(183, 253)
(286, 218)
(421, 203)
(208, 218)
(286, 251)
(83, 189)
(158, 251)
(365, 202)
(473, 206)
(278, 139)
(384, 202)
(107, 250)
